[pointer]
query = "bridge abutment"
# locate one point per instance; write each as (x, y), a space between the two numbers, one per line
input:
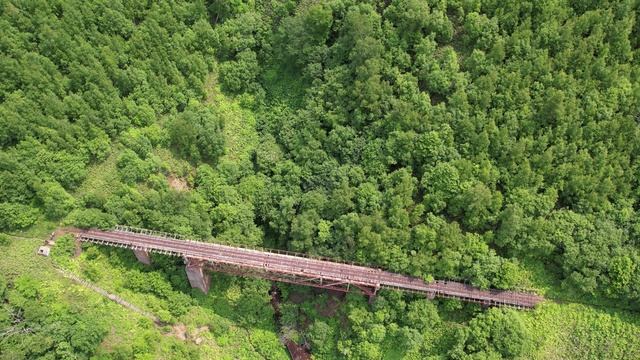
(196, 274)
(142, 256)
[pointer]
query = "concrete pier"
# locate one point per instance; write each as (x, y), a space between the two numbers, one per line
(196, 274)
(142, 256)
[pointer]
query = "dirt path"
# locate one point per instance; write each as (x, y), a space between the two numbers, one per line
(115, 298)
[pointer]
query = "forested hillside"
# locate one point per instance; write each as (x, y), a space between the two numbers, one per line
(496, 143)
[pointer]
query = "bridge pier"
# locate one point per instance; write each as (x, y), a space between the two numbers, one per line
(370, 292)
(196, 274)
(371, 298)
(142, 256)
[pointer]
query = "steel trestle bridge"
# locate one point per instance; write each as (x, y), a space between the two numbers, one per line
(291, 268)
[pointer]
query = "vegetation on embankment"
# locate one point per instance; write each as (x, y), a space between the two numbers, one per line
(45, 314)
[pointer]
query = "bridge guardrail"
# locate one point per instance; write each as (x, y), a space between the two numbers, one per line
(131, 229)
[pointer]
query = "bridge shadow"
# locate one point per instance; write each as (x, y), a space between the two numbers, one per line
(243, 301)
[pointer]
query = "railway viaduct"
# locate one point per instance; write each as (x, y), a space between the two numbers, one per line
(292, 268)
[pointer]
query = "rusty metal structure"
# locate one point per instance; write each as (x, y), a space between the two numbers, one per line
(291, 268)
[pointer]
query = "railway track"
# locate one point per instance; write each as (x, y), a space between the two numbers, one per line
(300, 269)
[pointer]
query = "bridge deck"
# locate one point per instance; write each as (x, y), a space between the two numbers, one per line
(327, 271)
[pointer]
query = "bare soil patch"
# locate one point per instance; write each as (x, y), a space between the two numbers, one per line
(297, 352)
(181, 332)
(177, 183)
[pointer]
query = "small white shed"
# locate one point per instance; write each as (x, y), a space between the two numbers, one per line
(44, 250)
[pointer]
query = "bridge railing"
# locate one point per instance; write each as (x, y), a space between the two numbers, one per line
(523, 290)
(136, 230)
(511, 301)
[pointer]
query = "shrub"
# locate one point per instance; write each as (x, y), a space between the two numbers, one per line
(17, 216)
(91, 218)
(65, 246)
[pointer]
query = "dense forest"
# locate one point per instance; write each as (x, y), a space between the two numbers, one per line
(475, 140)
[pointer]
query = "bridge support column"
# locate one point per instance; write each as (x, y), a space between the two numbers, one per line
(431, 295)
(371, 293)
(142, 256)
(198, 278)
(77, 246)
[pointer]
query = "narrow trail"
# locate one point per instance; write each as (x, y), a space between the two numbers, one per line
(115, 298)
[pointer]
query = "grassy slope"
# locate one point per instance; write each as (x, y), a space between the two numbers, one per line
(240, 132)
(224, 340)
(126, 327)
(571, 326)
(101, 178)
(576, 331)
(211, 311)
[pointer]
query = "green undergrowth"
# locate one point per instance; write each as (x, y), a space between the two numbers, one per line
(172, 165)
(126, 333)
(240, 135)
(222, 323)
(41, 229)
(576, 331)
(19, 257)
(283, 86)
(102, 178)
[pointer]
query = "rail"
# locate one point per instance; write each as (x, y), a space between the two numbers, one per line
(287, 266)
(167, 235)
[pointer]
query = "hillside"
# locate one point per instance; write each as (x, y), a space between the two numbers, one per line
(486, 142)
